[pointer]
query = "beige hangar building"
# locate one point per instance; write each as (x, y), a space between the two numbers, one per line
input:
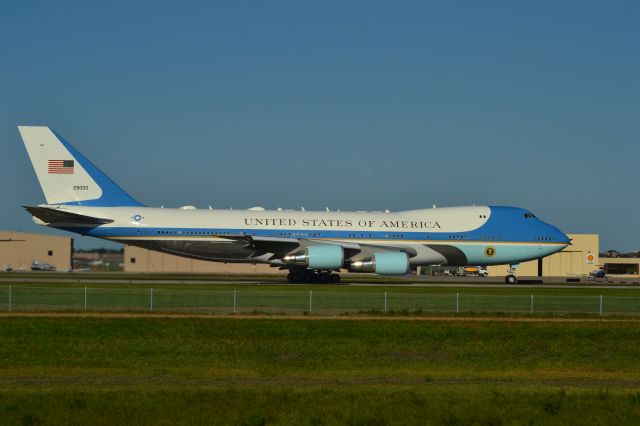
(19, 250)
(576, 260)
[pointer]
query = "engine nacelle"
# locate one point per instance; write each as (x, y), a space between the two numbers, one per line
(387, 263)
(317, 257)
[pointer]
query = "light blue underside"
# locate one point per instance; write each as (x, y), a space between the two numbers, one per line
(519, 251)
(505, 253)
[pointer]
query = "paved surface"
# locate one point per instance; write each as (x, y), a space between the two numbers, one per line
(451, 282)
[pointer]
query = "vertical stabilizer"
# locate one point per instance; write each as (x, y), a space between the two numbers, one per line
(66, 176)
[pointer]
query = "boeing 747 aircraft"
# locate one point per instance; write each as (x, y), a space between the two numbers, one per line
(313, 245)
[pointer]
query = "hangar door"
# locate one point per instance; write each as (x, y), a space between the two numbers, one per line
(565, 263)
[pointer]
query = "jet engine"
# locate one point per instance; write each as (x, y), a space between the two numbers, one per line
(387, 263)
(317, 257)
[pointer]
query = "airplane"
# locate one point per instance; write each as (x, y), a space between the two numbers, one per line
(313, 245)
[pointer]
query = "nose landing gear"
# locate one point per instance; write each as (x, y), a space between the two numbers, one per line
(511, 277)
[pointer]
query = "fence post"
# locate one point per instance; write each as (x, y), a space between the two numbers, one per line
(310, 301)
(9, 298)
(234, 300)
(532, 303)
(85, 299)
(151, 300)
(385, 301)
(600, 305)
(457, 303)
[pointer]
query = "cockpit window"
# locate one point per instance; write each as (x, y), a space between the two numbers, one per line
(529, 215)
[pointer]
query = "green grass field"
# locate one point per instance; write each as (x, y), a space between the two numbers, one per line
(153, 370)
(316, 299)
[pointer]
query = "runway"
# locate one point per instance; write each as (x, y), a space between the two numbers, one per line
(276, 280)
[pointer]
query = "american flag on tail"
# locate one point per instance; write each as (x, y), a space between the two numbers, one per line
(60, 167)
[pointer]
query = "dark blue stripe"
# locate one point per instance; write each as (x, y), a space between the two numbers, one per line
(112, 194)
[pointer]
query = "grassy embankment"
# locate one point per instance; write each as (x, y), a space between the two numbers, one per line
(252, 371)
(196, 294)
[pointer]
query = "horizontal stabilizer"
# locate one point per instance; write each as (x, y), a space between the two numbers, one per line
(55, 216)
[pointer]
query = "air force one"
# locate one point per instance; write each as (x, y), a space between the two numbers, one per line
(313, 245)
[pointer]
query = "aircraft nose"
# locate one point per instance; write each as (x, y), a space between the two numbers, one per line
(561, 236)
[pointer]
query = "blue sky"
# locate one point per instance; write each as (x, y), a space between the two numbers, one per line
(350, 104)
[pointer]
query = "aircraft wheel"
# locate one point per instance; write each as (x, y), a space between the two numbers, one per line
(334, 278)
(296, 277)
(291, 277)
(510, 279)
(323, 278)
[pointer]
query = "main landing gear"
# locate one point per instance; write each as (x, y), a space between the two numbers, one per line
(309, 276)
(511, 277)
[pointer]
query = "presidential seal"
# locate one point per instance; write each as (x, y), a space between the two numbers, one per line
(490, 251)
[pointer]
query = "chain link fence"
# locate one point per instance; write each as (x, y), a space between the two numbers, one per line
(91, 299)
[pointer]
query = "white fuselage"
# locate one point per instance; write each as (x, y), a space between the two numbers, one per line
(455, 235)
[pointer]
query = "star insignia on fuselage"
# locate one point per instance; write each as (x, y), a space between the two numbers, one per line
(137, 217)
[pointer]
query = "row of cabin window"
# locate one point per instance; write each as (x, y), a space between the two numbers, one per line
(317, 234)
(192, 233)
(299, 234)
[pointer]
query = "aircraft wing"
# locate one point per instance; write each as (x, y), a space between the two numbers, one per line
(55, 216)
(263, 245)
(281, 246)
